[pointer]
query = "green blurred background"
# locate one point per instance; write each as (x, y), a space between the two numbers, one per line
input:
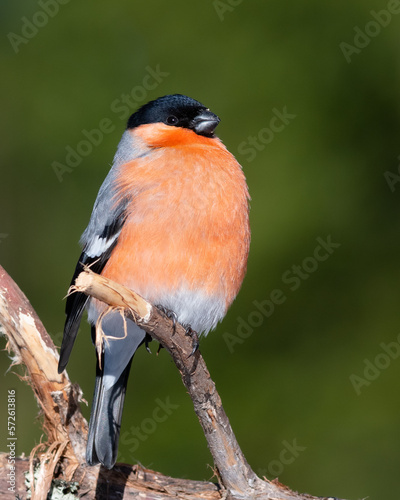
(323, 174)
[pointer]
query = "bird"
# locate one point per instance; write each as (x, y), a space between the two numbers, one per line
(171, 222)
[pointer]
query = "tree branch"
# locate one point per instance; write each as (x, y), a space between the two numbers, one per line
(232, 467)
(67, 429)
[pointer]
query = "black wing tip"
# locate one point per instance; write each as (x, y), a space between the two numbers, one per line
(65, 351)
(61, 367)
(63, 360)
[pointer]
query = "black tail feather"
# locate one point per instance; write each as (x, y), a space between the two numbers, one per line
(105, 419)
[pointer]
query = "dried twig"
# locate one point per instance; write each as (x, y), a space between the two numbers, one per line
(235, 473)
(66, 429)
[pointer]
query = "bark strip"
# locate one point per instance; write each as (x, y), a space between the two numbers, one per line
(63, 457)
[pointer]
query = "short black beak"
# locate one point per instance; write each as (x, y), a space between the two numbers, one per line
(205, 123)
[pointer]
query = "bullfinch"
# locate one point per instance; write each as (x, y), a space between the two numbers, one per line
(171, 222)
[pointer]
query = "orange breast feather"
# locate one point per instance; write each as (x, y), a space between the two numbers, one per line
(187, 224)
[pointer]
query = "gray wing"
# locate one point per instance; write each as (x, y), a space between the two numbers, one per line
(98, 241)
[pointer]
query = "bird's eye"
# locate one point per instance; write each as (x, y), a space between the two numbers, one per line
(172, 120)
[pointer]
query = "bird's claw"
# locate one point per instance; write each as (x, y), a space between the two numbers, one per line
(188, 329)
(195, 340)
(147, 340)
(171, 315)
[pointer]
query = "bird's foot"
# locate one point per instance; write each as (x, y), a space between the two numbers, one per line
(195, 339)
(147, 341)
(171, 315)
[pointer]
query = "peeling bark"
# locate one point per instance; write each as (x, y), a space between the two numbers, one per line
(62, 462)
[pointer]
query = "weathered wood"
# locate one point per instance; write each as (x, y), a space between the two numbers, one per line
(123, 481)
(232, 468)
(33, 347)
(66, 429)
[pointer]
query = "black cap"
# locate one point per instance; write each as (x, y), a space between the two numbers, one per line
(177, 111)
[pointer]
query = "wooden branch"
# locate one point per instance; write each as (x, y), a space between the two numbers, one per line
(232, 467)
(235, 473)
(64, 423)
(67, 429)
(33, 347)
(123, 481)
